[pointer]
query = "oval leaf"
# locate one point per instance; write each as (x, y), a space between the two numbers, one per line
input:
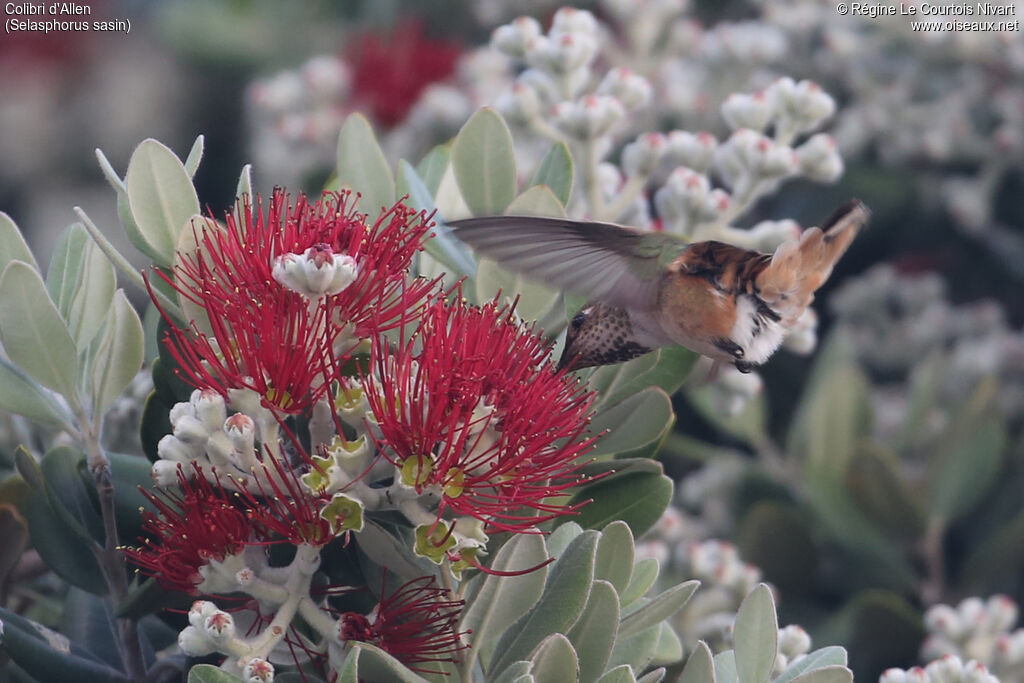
(12, 244)
(636, 426)
(81, 282)
(645, 573)
(484, 163)
(555, 172)
(195, 155)
(756, 635)
(614, 562)
(828, 674)
(120, 354)
(32, 331)
(620, 674)
(362, 166)
(208, 673)
(161, 199)
(658, 609)
(639, 500)
(825, 657)
(555, 660)
(593, 634)
(700, 668)
(21, 395)
(377, 666)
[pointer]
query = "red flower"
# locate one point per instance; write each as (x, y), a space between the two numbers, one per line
(416, 625)
(286, 342)
(200, 523)
(480, 416)
(389, 73)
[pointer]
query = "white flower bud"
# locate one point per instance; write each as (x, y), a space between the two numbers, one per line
(936, 646)
(219, 626)
(748, 111)
(976, 672)
(641, 157)
(209, 408)
(199, 610)
(632, 89)
(944, 620)
(945, 670)
(1002, 613)
(241, 430)
(693, 150)
(794, 641)
(173, 449)
(180, 410)
(609, 179)
(572, 20)
(972, 612)
(258, 670)
(164, 472)
(316, 272)
(521, 105)
(803, 106)
(512, 38)
(190, 430)
(327, 76)
(561, 53)
(893, 676)
(819, 159)
(279, 94)
(194, 643)
(544, 86)
(219, 449)
(590, 117)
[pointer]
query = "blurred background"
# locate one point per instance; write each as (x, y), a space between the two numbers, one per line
(914, 398)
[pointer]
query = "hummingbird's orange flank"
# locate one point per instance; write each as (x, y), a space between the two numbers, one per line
(648, 289)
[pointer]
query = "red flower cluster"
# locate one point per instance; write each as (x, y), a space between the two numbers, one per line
(473, 409)
(417, 625)
(276, 341)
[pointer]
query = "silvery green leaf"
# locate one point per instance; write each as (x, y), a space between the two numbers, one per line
(725, 668)
(120, 354)
(432, 167)
(503, 599)
(565, 596)
(825, 657)
(362, 166)
(700, 668)
(512, 672)
(535, 300)
(666, 368)
(444, 247)
(527, 678)
(377, 665)
(559, 539)
(556, 172)
(620, 674)
(645, 573)
(670, 647)
(208, 673)
(350, 668)
(32, 331)
(191, 241)
(658, 609)
(635, 427)
(555, 660)
(42, 654)
(12, 244)
(756, 636)
(195, 155)
(244, 187)
(828, 674)
(638, 499)
(484, 163)
(637, 649)
(655, 676)
(615, 555)
(81, 283)
(593, 634)
(161, 199)
(387, 551)
(448, 198)
(110, 174)
(22, 396)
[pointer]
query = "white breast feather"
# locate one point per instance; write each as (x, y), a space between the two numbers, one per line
(758, 336)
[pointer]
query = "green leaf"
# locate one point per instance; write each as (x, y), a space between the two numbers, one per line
(484, 163)
(565, 596)
(81, 282)
(825, 657)
(432, 167)
(62, 549)
(388, 551)
(514, 672)
(725, 668)
(12, 244)
(192, 245)
(666, 368)
(208, 673)
(635, 427)
(502, 600)
(556, 172)
(828, 674)
(658, 609)
(969, 455)
(377, 665)
(195, 155)
(657, 675)
(49, 656)
(876, 484)
(593, 634)
(620, 674)
(362, 166)
(67, 492)
(700, 668)
(161, 199)
(14, 531)
(879, 627)
(119, 356)
(621, 467)
(243, 190)
(21, 395)
(443, 246)
(33, 334)
(87, 620)
(645, 573)
(350, 669)
(636, 650)
(639, 500)
(614, 562)
(756, 636)
(26, 465)
(560, 538)
(555, 660)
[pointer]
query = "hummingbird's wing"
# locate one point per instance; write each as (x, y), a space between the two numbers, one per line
(609, 263)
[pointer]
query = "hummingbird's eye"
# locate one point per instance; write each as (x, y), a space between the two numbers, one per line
(577, 321)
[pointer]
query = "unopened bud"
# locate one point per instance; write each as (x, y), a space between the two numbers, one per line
(572, 20)
(194, 643)
(632, 89)
(219, 626)
(945, 670)
(819, 159)
(590, 117)
(748, 111)
(520, 105)
(693, 150)
(258, 670)
(641, 157)
(512, 38)
(793, 641)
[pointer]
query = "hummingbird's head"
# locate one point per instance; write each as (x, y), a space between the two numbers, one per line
(571, 355)
(599, 335)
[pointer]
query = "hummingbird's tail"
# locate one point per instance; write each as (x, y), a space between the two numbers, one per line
(799, 268)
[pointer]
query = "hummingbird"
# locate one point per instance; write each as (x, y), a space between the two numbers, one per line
(648, 289)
